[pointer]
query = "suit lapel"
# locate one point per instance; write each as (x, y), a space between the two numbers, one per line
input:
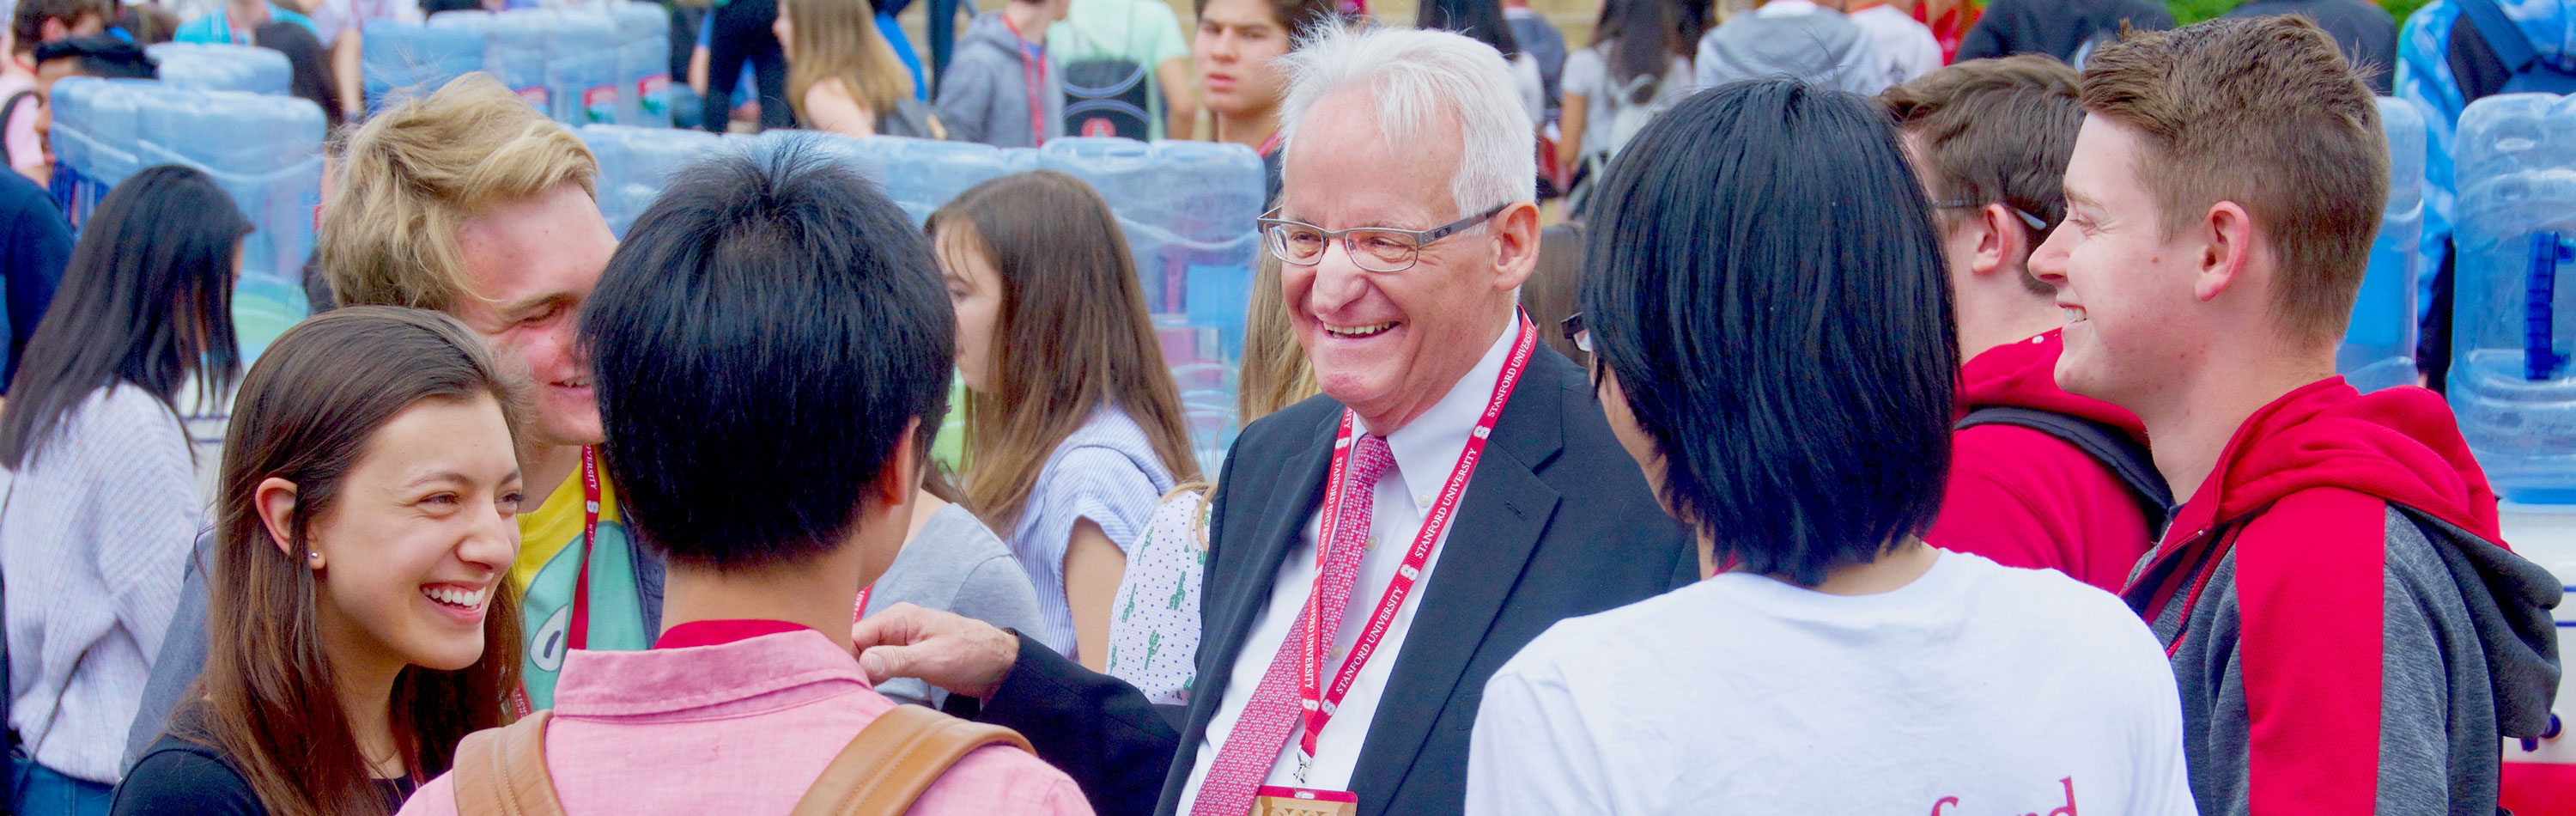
(1500, 520)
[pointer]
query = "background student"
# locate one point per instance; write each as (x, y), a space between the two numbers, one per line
(1001, 88)
(950, 562)
(843, 77)
(1235, 54)
(1073, 425)
(1638, 66)
(361, 624)
(101, 504)
(1835, 664)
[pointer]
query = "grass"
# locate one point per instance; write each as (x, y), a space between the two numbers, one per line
(2187, 12)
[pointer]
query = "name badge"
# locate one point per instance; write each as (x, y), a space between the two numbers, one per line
(1276, 800)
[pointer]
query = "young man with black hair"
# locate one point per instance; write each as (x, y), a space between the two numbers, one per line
(2038, 477)
(2349, 631)
(775, 505)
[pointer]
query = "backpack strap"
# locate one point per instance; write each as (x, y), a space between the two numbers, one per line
(2511, 46)
(9, 113)
(894, 759)
(2114, 448)
(502, 771)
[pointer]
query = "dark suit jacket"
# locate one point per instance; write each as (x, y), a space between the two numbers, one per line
(1557, 522)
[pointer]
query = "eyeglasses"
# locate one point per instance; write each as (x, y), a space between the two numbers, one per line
(2037, 224)
(1376, 249)
(1575, 333)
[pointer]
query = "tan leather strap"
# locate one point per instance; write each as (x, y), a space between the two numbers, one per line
(502, 771)
(894, 759)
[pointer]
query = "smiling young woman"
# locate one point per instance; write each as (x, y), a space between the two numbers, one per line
(360, 624)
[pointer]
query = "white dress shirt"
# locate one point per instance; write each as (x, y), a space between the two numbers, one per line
(1425, 451)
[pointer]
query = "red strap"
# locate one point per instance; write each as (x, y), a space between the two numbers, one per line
(2310, 578)
(1319, 708)
(579, 634)
(861, 610)
(1033, 68)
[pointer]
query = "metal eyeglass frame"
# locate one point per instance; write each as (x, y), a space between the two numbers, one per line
(1272, 237)
(2037, 224)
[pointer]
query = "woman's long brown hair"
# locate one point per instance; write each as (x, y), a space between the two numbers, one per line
(1072, 334)
(267, 699)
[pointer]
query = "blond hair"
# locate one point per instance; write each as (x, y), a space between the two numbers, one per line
(838, 39)
(1275, 371)
(414, 174)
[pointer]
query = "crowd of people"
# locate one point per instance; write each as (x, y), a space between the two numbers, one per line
(1877, 432)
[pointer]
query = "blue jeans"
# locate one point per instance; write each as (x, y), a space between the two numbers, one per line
(39, 791)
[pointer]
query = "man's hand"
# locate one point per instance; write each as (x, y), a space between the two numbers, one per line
(961, 654)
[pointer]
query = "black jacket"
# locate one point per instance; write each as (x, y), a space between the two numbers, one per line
(2065, 29)
(1557, 522)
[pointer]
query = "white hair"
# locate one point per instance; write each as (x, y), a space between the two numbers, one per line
(1415, 75)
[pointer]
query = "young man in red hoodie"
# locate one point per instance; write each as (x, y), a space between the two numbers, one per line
(2036, 474)
(2348, 632)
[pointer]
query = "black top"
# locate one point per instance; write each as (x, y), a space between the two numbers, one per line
(181, 777)
(2065, 29)
(1562, 525)
(35, 244)
(2365, 32)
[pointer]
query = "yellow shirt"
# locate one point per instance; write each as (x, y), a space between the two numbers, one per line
(557, 524)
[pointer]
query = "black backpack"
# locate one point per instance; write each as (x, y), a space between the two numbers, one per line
(1107, 97)
(2528, 71)
(2113, 447)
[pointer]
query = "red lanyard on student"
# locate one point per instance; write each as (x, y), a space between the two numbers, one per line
(1033, 68)
(1268, 145)
(1319, 708)
(579, 635)
(861, 611)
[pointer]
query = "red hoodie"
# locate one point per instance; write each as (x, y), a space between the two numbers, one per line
(2027, 499)
(2334, 656)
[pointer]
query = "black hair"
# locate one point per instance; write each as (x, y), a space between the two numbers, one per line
(100, 56)
(27, 19)
(1481, 20)
(308, 64)
(146, 300)
(758, 342)
(1644, 40)
(1778, 316)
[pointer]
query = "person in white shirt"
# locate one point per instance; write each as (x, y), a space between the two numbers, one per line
(1789, 395)
(1453, 492)
(1905, 47)
(1790, 38)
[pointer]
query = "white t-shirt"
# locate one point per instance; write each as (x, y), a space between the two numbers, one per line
(1905, 46)
(1977, 689)
(1587, 72)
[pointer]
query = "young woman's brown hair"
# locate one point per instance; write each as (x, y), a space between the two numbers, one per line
(267, 699)
(1071, 335)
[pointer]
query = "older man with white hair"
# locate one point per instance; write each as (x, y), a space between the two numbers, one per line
(1336, 674)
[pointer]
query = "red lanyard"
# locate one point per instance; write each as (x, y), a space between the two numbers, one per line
(1320, 708)
(579, 636)
(1033, 68)
(861, 611)
(1268, 145)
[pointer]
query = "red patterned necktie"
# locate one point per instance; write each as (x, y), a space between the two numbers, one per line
(1272, 714)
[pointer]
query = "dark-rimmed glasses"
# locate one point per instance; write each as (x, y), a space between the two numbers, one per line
(1376, 249)
(2037, 224)
(1575, 333)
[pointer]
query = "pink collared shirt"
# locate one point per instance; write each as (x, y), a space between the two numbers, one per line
(739, 727)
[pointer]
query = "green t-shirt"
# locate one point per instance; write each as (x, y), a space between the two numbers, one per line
(1142, 31)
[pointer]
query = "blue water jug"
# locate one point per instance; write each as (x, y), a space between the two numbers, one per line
(2378, 349)
(581, 64)
(222, 67)
(635, 163)
(2515, 322)
(404, 59)
(643, 64)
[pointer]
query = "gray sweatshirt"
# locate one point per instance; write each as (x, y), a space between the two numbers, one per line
(1794, 39)
(985, 95)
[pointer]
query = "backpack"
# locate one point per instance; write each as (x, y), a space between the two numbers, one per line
(1634, 105)
(1107, 97)
(502, 771)
(2114, 448)
(2530, 72)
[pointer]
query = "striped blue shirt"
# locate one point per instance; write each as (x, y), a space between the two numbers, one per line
(1105, 471)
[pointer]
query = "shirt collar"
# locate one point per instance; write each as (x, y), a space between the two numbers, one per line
(720, 632)
(1786, 8)
(1428, 447)
(798, 664)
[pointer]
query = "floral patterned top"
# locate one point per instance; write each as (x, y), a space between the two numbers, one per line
(1154, 626)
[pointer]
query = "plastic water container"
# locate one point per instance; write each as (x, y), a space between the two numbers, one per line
(221, 67)
(514, 50)
(643, 64)
(581, 64)
(636, 162)
(404, 59)
(2378, 348)
(2514, 328)
(264, 150)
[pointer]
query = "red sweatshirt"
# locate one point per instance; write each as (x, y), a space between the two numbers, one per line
(2024, 498)
(2348, 633)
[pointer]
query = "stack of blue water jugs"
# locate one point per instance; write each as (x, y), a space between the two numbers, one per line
(1187, 208)
(584, 65)
(263, 149)
(2514, 327)
(2378, 348)
(221, 67)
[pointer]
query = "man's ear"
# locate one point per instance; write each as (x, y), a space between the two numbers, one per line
(2227, 245)
(1515, 244)
(2001, 242)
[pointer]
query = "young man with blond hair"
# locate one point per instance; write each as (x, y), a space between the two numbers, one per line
(2349, 633)
(471, 203)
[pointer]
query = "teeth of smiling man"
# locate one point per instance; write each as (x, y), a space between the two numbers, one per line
(453, 596)
(576, 382)
(1359, 331)
(2072, 313)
